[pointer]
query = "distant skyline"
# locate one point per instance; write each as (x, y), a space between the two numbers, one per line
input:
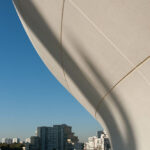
(30, 95)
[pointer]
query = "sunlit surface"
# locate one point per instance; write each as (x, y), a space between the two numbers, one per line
(99, 51)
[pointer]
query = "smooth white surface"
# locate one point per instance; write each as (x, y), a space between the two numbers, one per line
(126, 23)
(40, 27)
(99, 50)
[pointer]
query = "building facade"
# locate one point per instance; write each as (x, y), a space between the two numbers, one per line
(35, 143)
(42, 133)
(7, 140)
(99, 142)
(58, 137)
(15, 140)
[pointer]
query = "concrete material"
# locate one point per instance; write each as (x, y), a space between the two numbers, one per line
(100, 52)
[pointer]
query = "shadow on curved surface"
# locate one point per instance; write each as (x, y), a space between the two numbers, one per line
(45, 35)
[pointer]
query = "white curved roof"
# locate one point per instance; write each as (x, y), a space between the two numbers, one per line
(100, 51)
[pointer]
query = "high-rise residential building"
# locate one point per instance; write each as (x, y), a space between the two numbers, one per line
(15, 140)
(42, 133)
(35, 143)
(56, 137)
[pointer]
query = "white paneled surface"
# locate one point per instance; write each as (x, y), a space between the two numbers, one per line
(99, 50)
(42, 23)
(126, 23)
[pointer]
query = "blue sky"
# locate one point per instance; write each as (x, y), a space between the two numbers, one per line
(30, 96)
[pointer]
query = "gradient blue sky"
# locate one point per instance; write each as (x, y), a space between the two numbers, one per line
(30, 96)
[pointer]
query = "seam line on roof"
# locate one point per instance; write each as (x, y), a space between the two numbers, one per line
(132, 70)
(113, 45)
(61, 45)
(99, 30)
(105, 36)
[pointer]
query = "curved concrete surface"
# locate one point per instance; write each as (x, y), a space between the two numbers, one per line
(100, 51)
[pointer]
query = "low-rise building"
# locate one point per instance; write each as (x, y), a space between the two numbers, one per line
(100, 142)
(15, 140)
(7, 140)
(27, 140)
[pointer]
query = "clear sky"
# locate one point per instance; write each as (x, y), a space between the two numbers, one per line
(30, 96)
